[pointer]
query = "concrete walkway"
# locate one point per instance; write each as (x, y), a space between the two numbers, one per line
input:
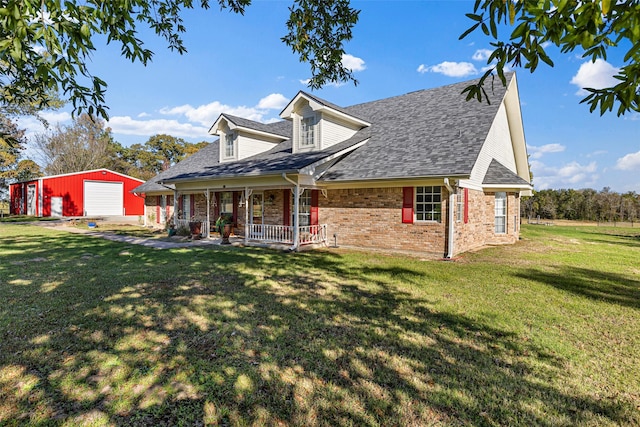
(150, 243)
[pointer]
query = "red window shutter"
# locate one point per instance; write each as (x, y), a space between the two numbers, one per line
(216, 209)
(466, 205)
(286, 207)
(313, 213)
(407, 205)
(235, 198)
(192, 205)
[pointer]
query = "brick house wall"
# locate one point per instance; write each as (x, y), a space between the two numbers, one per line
(372, 218)
(480, 227)
(152, 210)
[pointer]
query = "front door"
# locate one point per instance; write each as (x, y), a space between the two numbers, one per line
(256, 213)
(56, 207)
(31, 200)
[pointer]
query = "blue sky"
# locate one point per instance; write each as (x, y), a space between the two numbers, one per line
(237, 64)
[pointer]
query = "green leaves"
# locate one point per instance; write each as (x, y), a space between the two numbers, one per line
(318, 30)
(593, 27)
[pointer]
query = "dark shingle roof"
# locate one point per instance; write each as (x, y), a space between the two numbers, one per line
(205, 157)
(433, 132)
(498, 174)
(275, 161)
(330, 105)
(427, 133)
(284, 131)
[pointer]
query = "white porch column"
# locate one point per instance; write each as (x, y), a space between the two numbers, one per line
(175, 208)
(247, 194)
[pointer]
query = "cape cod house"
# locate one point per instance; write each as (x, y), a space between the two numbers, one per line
(425, 172)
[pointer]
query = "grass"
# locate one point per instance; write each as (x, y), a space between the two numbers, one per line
(27, 218)
(545, 332)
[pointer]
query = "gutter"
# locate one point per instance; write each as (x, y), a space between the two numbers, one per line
(296, 209)
(451, 217)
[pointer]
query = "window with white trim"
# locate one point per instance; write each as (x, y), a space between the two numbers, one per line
(428, 203)
(229, 145)
(501, 212)
(186, 207)
(304, 208)
(226, 204)
(307, 132)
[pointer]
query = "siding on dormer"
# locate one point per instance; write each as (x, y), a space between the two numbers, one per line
(335, 130)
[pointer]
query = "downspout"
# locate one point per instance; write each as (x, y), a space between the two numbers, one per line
(451, 217)
(296, 209)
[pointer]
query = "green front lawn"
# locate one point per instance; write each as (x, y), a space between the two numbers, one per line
(94, 332)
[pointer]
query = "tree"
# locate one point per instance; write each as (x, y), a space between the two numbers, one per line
(591, 26)
(44, 45)
(80, 146)
(12, 142)
(27, 170)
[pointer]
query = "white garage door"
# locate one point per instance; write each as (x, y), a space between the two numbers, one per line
(103, 198)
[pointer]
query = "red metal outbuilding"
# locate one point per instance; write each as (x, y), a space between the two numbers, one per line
(99, 192)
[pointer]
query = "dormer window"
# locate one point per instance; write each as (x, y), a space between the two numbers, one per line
(307, 132)
(229, 146)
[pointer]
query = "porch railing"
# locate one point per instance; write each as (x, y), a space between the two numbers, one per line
(309, 234)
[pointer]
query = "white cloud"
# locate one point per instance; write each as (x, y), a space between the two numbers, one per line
(305, 82)
(275, 101)
(629, 162)
(143, 114)
(595, 75)
(56, 117)
(569, 175)
(450, 69)
(127, 126)
(596, 153)
(352, 63)
(205, 115)
(481, 54)
(537, 152)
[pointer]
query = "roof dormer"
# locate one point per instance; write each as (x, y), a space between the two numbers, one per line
(318, 124)
(241, 138)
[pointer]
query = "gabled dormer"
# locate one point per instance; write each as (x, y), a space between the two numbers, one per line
(241, 138)
(318, 124)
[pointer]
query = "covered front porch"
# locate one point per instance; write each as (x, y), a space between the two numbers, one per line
(284, 215)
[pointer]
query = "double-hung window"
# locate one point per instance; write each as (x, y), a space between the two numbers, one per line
(501, 212)
(428, 203)
(307, 132)
(229, 145)
(304, 208)
(186, 206)
(226, 204)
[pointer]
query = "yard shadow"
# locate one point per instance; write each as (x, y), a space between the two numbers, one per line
(107, 333)
(593, 284)
(629, 240)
